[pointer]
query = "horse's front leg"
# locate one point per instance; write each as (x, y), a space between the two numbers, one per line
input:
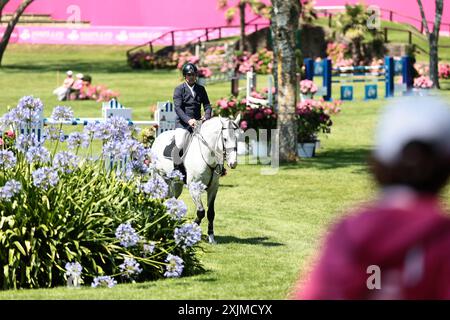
(197, 198)
(212, 192)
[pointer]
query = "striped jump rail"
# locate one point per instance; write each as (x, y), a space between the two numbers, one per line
(362, 74)
(359, 68)
(86, 121)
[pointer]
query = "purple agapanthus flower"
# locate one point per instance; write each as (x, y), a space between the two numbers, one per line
(156, 187)
(196, 188)
(52, 133)
(37, 154)
(188, 235)
(103, 281)
(115, 149)
(127, 236)
(73, 269)
(66, 161)
(136, 166)
(148, 248)
(90, 128)
(7, 159)
(177, 209)
(77, 139)
(130, 268)
(120, 128)
(26, 141)
(61, 113)
(45, 177)
(10, 189)
(27, 112)
(175, 266)
(6, 122)
(135, 149)
(175, 175)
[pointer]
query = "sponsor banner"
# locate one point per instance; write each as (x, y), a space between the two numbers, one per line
(84, 35)
(111, 35)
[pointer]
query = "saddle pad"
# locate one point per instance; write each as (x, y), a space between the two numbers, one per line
(168, 150)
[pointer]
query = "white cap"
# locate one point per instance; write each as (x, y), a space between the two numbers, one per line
(69, 73)
(424, 119)
(79, 75)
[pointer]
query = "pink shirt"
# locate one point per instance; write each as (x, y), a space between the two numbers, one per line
(405, 235)
(68, 82)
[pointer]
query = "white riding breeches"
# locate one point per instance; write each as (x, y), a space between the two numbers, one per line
(181, 136)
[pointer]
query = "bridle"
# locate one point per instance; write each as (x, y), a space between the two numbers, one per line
(218, 157)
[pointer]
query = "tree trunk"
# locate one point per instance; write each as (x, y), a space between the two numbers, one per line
(274, 68)
(434, 59)
(422, 13)
(10, 27)
(242, 6)
(434, 44)
(2, 5)
(357, 51)
(433, 39)
(285, 24)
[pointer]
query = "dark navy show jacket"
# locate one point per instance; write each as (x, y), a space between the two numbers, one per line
(189, 107)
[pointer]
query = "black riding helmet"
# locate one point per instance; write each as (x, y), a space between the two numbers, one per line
(189, 68)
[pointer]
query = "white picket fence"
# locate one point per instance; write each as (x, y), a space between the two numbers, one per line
(164, 118)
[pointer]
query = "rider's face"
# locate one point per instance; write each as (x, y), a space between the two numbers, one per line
(191, 78)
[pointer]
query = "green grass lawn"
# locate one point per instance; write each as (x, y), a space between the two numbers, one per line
(268, 227)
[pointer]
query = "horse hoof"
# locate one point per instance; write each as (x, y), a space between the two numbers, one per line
(211, 239)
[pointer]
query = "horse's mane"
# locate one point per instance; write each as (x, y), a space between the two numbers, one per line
(214, 122)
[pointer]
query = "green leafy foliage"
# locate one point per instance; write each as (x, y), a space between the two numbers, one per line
(76, 216)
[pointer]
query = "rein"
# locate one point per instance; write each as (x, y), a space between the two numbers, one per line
(219, 158)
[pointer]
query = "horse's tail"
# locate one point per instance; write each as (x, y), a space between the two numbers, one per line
(160, 143)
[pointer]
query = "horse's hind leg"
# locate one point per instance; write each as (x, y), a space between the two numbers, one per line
(212, 192)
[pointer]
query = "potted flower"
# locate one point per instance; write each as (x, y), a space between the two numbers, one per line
(422, 84)
(307, 89)
(230, 108)
(260, 117)
(444, 71)
(203, 74)
(262, 61)
(7, 140)
(313, 117)
(254, 116)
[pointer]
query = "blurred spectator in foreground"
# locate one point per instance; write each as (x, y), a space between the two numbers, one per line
(399, 246)
(63, 91)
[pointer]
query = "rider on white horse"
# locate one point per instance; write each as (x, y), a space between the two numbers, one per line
(188, 98)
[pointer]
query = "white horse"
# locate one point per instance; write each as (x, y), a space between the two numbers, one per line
(211, 142)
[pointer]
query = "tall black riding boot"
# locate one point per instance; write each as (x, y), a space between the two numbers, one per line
(178, 163)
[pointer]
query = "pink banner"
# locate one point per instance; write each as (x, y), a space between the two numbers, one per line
(111, 35)
(89, 35)
(181, 14)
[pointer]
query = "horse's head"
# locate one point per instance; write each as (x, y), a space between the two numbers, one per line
(230, 133)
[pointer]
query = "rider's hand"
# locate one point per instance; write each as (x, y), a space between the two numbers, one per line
(192, 122)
